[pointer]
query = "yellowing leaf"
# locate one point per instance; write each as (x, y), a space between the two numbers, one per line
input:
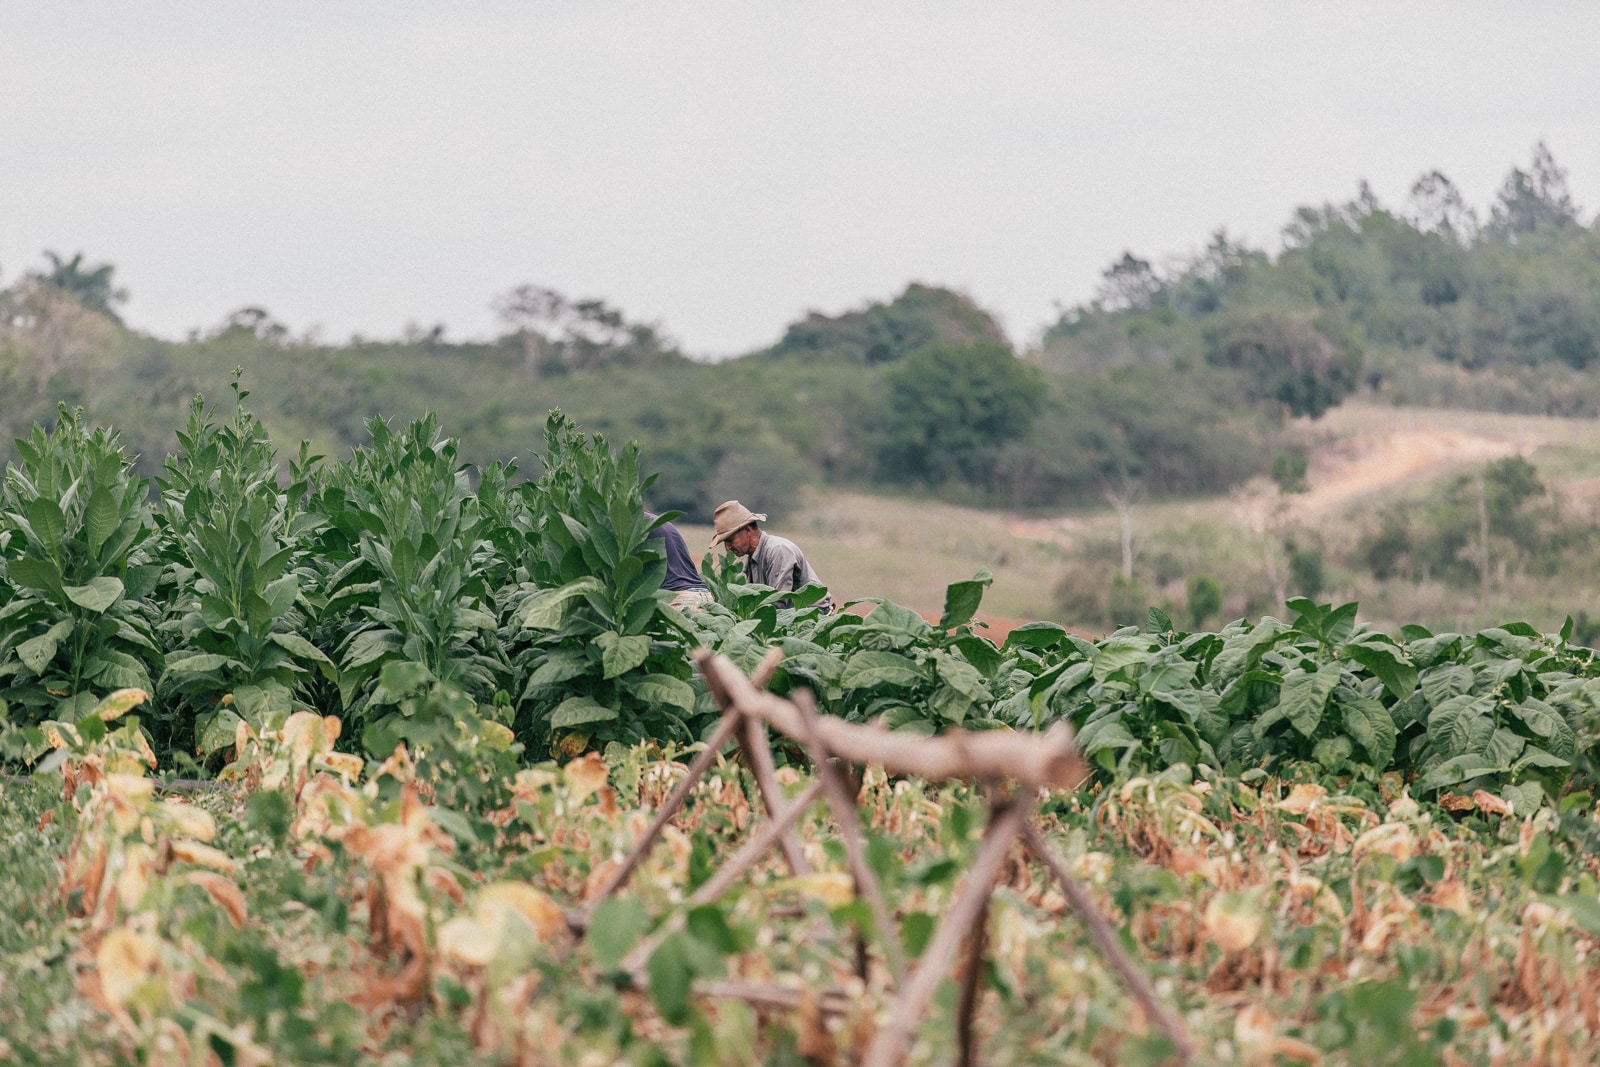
(202, 855)
(134, 877)
(1391, 839)
(470, 940)
(1302, 798)
(1489, 803)
(347, 765)
(119, 704)
(223, 892)
(833, 888)
(1233, 921)
(497, 735)
(1253, 1030)
(585, 776)
(125, 961)
(541, 911)
(1452, 894)
(189, 820)
(134, 788)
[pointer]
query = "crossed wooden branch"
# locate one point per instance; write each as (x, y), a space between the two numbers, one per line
(1014, 766)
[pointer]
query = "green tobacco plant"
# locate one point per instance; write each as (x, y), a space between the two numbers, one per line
(243, 649)
(604, 655)
(1509, 710)
(891, 665)
(403, 579)
(77, 529)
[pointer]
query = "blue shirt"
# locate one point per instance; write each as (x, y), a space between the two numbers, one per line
(681, 572)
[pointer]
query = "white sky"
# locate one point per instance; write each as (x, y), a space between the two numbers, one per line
(724, 167)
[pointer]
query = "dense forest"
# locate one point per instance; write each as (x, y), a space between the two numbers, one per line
(1180, 377)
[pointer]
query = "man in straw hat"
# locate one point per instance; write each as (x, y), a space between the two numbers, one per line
(768, 559)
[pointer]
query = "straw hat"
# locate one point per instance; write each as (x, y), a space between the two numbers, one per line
(731, 517)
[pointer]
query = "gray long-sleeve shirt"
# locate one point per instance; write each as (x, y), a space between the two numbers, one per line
(778, 562)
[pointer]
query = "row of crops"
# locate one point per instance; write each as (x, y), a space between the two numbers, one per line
(243, 587)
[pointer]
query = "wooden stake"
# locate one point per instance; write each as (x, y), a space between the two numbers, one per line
(889, 1044)
(844, 812)
(1105, 939)
(669, 808)
(972, 988)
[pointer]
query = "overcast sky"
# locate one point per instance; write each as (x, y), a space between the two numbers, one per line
(722, 168)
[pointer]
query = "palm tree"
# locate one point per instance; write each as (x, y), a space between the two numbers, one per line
(90, 286)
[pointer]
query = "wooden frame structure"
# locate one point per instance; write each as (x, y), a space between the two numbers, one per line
(1014, 767)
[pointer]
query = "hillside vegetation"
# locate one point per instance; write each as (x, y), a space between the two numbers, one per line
(1178, 374)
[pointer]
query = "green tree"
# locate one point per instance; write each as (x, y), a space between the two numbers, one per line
(949, 408)
(1286, 359)
(886, 333)
(91, 285)
(1534, 199)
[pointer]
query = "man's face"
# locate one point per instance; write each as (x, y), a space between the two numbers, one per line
(744, 540)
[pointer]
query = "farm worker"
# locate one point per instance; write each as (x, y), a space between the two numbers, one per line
(768, 559)
(682, 580)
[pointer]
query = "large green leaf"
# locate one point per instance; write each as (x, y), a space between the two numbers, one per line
(671, 973)
(547, 610)
(1035, 635)
(198, 663)
(1547, 723)
(1370, 725)
(1443, 683)
(580, 711)
(101, 517)
(98, 595)
(1386, 661)
(620, 654)
(662, 689)
(1454, 770)
(892, 618)
(961, 599)
(30, 573)
(37, 652)
(1241, 651)
(48, 523)
(1305, 695)
(963, 677)
(1120, 652)
(280, 595)
(1460, 725)
(299, 646)
(980, 652)
(870, 669)
(560, 665)
(1105, 733)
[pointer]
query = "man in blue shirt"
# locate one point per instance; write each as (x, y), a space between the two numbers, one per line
(682, 580)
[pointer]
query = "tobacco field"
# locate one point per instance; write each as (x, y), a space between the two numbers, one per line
(420, 711)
